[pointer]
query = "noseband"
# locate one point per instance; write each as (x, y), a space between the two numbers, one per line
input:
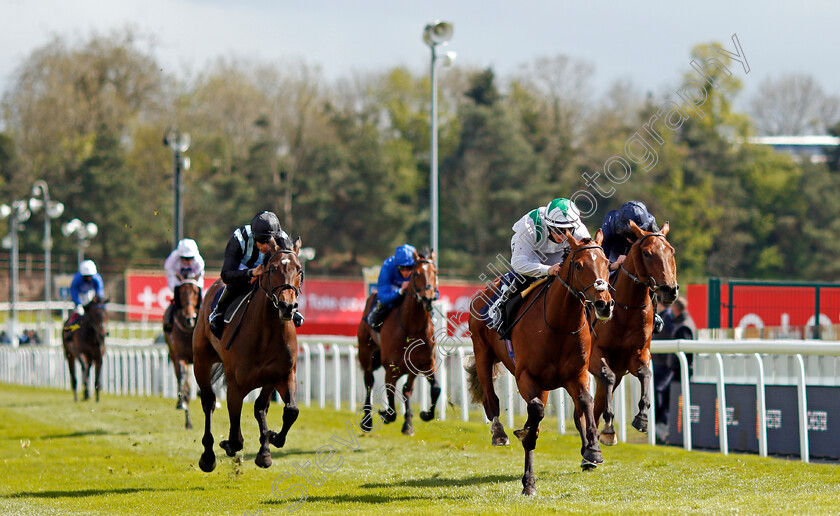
(272, 294)
(418, 290)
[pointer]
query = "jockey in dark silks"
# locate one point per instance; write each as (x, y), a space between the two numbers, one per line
(619, 238)
(245, 255)
(392, 283)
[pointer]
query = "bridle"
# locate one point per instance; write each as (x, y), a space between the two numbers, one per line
(650, 283)
(418, 290)
(599, 285)
(272, 294)
(179, 315)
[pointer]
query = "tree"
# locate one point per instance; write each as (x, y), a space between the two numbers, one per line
(794, 104)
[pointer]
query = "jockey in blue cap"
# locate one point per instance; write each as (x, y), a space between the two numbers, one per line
(619, 238)
(392, 283)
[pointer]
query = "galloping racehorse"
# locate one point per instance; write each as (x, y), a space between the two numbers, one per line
(404, 345)
(258, 351)
(87, 345)
(550, 349)
(622, 345)
(179, 341)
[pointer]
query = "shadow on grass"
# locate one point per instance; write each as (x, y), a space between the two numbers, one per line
(81, 493)
(279, 453)
(85, 433)
(369, 498)
(442, 481)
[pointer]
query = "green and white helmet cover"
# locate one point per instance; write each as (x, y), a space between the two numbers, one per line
(562, 213)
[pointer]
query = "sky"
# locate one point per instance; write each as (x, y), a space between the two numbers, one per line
(645, 41)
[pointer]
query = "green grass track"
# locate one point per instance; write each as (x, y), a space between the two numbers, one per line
(131, 455)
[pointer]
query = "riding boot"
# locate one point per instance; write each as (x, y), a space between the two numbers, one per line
(497, 310)
(377, 316)
(658, 323)
(217, 316)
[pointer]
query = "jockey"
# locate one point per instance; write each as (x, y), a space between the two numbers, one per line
(245, 253)
(86, 285)
(393, 281)
(619, 238)
(185, 262)
(538, 248)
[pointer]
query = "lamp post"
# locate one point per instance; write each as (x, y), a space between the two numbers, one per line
(179, 142)
(84, 232)
(52, 210)
(436, 35)
(18, 213)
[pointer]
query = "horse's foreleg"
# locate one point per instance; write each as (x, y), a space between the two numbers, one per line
(366, 423)
(207, 462)
(640, 422)
(408, 426)
(489, 399)
(98, 380)
(585, 422)
(428, 415)
(71, 363)
(389, 414)
(235, 441)
(183, 385)
(263, 458)
(528, 435)
(287, 392)
(186, 390)
(604, 402)
(85, 376)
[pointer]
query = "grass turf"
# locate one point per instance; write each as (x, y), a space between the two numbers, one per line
(131, 455)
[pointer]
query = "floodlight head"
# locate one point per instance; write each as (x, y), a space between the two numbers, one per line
(55, 209)
(185, 162)
(35, 205)
(438, 33)
(92, 229)
(307, 253)
(184, 142)
(448, 59)
(5, 210)
(68, 228)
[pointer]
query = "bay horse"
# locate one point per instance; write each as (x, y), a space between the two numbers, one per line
(87, 345)
(622, 345)
(404, 345)
(263, 354)
(179, 341)
(550, 350)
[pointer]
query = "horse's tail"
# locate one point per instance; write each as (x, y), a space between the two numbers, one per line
(476, 391)
(217, 372)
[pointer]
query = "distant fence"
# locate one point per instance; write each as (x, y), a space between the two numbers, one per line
(328, 374)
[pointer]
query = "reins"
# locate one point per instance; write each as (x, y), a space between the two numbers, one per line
(654, 288)
(417, 296)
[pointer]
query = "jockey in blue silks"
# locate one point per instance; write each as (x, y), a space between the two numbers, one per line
(86, 284)
(619, 238)
(392, 283)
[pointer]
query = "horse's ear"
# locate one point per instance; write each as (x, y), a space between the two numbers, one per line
(296, 247)
(432, 255)
(571, 239)
(416, 256)
(665, 228)
(636, 230)
(599, 236)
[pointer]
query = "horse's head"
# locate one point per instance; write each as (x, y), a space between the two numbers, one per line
(423, 279)
(189, 301)
(653, 258)
(96, 317)
(283, 279)
(587, 273)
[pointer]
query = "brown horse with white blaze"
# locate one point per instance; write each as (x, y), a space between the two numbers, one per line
(550, 350)
(262, 354)
(622, 345)
(404, 345)
(179, 340)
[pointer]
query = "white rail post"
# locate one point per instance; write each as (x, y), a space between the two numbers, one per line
(560, 403)
(465, 403)
(351, 357)
(443, 382)
(510, 400)
(723, 427)
(761, 413)
(651, 436)
(804, 448)
(685, 384)
(322, 375)
(621, 411)
(337, 375)
(307, 370)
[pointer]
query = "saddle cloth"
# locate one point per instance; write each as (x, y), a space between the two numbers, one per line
(237, 303)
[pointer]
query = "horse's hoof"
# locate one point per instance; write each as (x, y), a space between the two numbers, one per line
(501, 440)
(229, 448)
(529, 490)
(640, 423)
(366, 423)
(585, 465)
(388, 416)
(608, 439)
(427, 415)
(263, 460)
(207, 462)
(407, 429)
(593, 457)
(276, 440)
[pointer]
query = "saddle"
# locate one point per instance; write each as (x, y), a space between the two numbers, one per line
(234, 306)
(523, 286)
